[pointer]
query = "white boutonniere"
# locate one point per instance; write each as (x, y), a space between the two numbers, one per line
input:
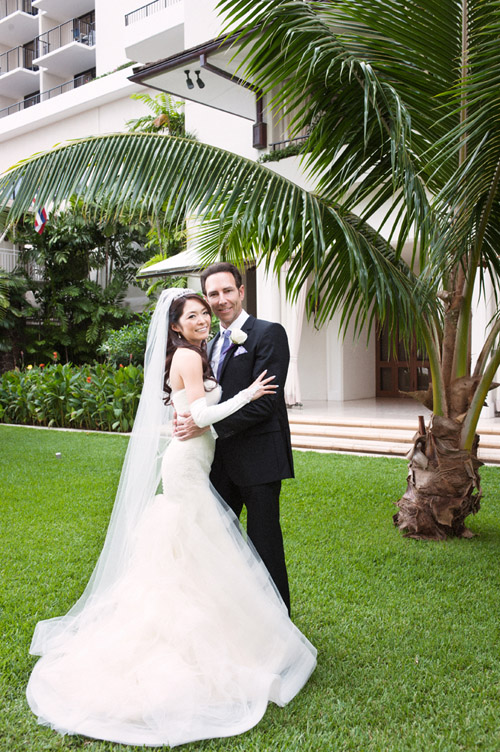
(238, 337)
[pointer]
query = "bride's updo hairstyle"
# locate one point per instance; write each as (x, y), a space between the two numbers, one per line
(176, 339)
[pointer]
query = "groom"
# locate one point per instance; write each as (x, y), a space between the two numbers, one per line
(253, 450)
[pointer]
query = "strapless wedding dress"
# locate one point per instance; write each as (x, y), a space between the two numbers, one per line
(192, 642)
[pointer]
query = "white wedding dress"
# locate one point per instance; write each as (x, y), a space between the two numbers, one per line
(191, 642)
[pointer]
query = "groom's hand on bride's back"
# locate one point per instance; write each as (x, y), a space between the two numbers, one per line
(185, 427)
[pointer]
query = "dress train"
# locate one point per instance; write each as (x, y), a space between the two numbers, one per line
(191, 642)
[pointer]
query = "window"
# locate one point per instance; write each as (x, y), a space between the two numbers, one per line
(84, 29)
(283, 134)
(31, 99)
(29, 54)
(84, 77)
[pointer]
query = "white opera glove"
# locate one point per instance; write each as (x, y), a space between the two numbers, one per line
(204, 415)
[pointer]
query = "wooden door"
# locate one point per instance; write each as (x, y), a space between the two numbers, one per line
(400, 369)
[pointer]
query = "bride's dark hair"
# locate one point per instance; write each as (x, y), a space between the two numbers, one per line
(176, 339)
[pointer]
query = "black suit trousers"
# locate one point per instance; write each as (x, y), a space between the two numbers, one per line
(263, 522)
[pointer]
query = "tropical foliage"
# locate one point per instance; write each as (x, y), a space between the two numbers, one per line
(78, 271)
(127, 344)
(4, 302)
(167, 115)
(401, 101)
(14, 333)
(166, 235)
(98, 397)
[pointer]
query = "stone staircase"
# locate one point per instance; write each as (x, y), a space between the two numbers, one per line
(374, 436)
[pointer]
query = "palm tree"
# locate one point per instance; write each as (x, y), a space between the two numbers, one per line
(401, 101)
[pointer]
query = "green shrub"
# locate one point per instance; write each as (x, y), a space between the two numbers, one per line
(98, 397)
(127, 344)
(293, 149)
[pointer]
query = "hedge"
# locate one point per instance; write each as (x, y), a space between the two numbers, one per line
(94, 397)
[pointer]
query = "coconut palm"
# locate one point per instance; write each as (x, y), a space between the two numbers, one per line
(401, 101)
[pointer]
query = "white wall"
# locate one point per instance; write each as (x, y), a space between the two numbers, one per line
(358, 361)
(268, 296)
(484, 309)
(220, 129)
(333, 368)
(52, 122)
(201, 22)
(110, 28)
(312, 362)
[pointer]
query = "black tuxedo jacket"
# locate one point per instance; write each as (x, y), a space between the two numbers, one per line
(254, 443)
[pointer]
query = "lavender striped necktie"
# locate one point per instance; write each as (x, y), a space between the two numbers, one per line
(226, 344)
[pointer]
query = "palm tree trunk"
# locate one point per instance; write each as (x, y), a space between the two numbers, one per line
(443, 483)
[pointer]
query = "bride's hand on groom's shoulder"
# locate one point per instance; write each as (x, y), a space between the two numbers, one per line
(262, 386)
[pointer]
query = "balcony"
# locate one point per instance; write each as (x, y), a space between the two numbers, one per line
(67, 48)
(154, 31)
(75, 83)
(287, 148)
(61, 9)
(18, 74)
(8, 7)
(18, 21)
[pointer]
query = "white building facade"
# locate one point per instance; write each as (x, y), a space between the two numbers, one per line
(62, 76)
(224, 112)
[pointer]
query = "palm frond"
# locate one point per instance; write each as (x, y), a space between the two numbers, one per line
(368, 90)
(248, 208)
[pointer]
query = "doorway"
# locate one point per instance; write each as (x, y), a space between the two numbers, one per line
(400, 369)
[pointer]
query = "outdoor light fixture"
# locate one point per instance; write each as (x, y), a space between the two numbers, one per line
(190, 82)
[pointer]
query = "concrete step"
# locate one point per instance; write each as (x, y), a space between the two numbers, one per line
(368, 433)
(380, 437)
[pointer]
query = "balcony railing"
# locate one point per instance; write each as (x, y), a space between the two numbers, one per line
(11, 6)
(288, 143)
(9, 259)
(70, 31)
(18, 57)
(148, 10)
(49, 94)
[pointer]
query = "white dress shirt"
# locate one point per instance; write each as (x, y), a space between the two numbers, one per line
(236, 324)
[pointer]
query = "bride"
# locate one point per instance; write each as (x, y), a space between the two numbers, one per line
(180, 634)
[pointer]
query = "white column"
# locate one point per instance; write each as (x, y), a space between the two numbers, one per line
(484, 309)
(268, 295)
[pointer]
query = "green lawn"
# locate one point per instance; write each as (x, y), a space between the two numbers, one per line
(407, 631)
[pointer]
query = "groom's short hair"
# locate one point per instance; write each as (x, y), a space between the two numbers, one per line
(221, 266)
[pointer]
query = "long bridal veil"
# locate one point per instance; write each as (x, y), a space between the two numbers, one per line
(139, 481)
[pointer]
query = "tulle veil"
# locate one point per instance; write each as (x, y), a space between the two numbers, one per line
(139, 482)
